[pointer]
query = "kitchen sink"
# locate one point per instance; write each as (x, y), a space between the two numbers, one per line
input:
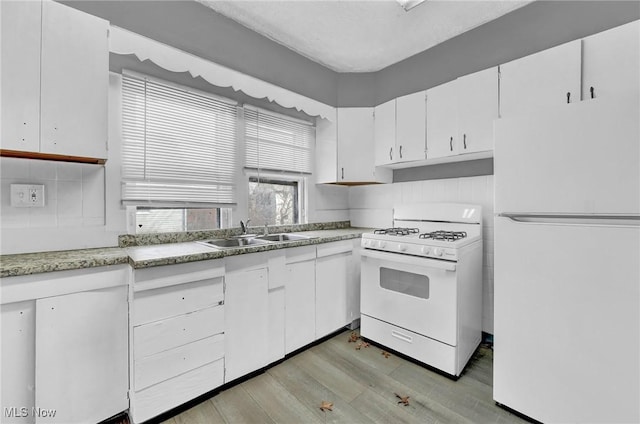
(283, 237)
(234, 242)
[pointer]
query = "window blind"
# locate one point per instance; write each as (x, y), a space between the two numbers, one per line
(178, 144)
(277, 143)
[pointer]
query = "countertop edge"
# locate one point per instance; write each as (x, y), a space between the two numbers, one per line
(45, 262)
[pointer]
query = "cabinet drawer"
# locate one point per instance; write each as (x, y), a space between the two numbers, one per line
(335, 248)
(167, 334)
(157, 399)
(171, 363)
(154, 305)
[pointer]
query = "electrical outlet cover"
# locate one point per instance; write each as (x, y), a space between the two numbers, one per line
(27, 195)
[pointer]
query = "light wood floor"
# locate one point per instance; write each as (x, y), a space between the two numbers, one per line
(361, 384)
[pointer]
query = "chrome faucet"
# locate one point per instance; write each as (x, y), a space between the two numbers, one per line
(244, 226)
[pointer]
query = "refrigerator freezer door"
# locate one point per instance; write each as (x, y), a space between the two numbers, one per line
(567, 321)
(578, 159)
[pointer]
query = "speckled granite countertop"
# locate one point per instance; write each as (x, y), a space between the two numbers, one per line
(168, 254)
(152, 255)
(34, 263)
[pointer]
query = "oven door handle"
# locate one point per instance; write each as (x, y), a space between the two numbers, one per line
(409, 260)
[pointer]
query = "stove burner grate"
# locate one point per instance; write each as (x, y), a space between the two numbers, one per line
(397, 231)
(444, 235)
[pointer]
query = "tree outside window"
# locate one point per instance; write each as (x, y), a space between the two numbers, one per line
(273, 202)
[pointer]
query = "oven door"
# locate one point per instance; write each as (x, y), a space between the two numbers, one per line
(418, 294)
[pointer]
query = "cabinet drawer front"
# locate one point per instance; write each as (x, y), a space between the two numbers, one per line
(171, 363)
(335, 248)
(300, 254)
(154, 305)
(176, 391)
(167, 334)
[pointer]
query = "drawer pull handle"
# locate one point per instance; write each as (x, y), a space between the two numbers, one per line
(402, 337)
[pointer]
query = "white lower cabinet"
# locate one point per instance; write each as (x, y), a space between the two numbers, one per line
(255, 305)
(18, 329)
(64, 346)
(333, 278)
(177, 335)
(300, 293)
(246, 322)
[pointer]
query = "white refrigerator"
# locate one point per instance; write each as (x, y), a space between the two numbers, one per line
(567, 263)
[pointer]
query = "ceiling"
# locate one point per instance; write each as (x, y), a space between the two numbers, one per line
(357, 35)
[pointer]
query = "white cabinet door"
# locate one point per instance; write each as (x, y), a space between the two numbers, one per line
(411, 127)
(355, 144)
(18, 356)
(548, 78)
(384, 125)
(246, 322)
(74, 82)
(82, 355)
(332, 289)
(442, 127)
(327, 149)
(300, 310)
(611, 62)
(477, 109)
(20, 51)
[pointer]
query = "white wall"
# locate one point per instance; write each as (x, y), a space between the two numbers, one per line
(74, 212)
(83, 205)
(372, 206)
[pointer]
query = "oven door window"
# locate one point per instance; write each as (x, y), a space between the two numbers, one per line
(416, 285)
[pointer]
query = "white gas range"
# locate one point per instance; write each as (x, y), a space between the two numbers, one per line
(421, 284)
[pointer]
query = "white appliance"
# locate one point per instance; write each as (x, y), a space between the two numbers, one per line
(421, 284)
(567, 263)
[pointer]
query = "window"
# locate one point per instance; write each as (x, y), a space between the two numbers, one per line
(178, 145)
(161, 220)
(278, 156)
(274, 202)
(278, 143)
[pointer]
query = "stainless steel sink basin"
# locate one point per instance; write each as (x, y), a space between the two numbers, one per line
(235, 242)
(283, 237)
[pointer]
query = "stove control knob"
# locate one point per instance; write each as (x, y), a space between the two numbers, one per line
(437, 252)
(402, 247)
(425, 250)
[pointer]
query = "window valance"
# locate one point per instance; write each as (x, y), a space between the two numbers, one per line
(175, 60)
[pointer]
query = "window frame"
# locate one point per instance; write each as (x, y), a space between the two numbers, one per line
(283, 178)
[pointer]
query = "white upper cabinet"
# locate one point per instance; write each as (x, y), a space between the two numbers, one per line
(399, 129)
(74, 82)
(55, 70)
(611, 62)
(411, 126)
(548, 78)
(326, 149)
(344, 148)
(442, 120)
(477, 108)
(355, 138)
(20, 50)
(384, 128)
(460, 115)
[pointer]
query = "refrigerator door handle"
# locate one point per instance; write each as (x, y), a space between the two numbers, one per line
(574, 219)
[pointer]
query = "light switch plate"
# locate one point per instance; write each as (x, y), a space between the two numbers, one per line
(27, 195)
